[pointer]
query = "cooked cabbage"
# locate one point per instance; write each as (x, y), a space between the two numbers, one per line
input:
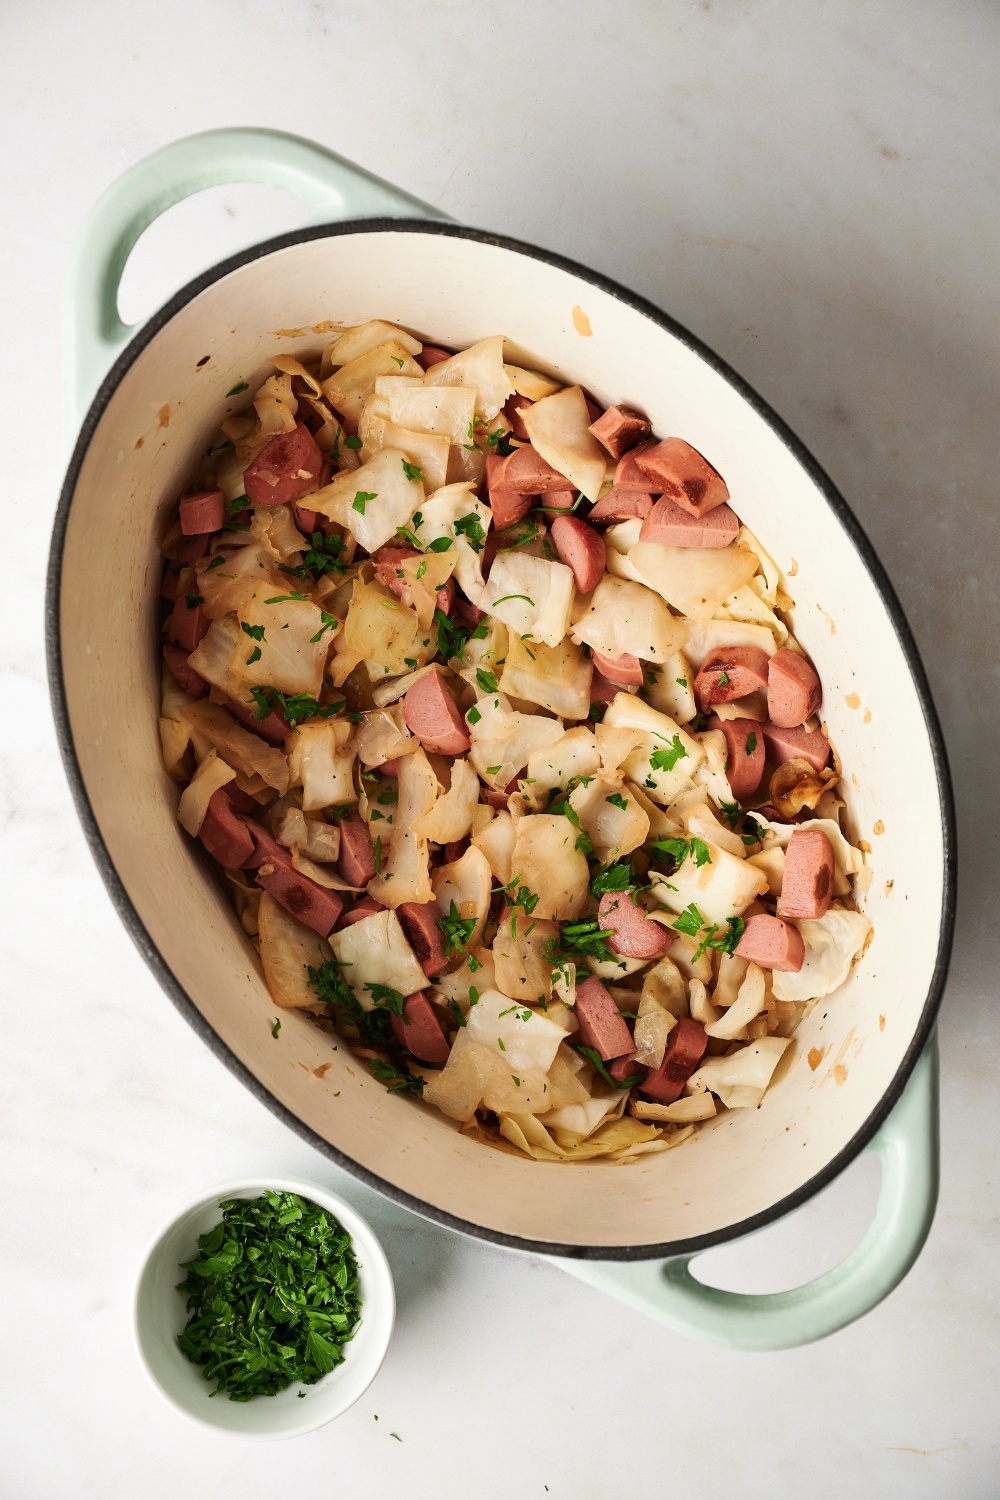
(458, 1089)
(628, 617)
(439, 514)
(523, 971)
(749, 1002)
(832, 944)
(580, 1119)
(284, 643)
(480, 367)
(496, 840)
(404, 875)
(287, 947)
(548, 862)
(362, 339)
(711, 774)
(530, 1039)
(451, 816)
(713, 635)
(532, 597)
(206, 781)
(224, 588)
(722, 887)
(694, 1107)
(741, 1079)
(429, 452)
(509, 1089)
(272, 526)
(373, 501)
(276, 406)
(383, 735)
(574, 753)
(503, 740)
(619, 541)
(529, 383)
(321, 761)
(701, 823)
(379, 628)
(467, 883)
(375, 951)
(558, 427)
(614, 830)
(615, 746)
(670, 688)
(769, 576)
(245, 752)
(694, 580)
(555, 677)
(665, 984)
(316, 840)
(747, 606)
(677, 754)
(447, 411)
(354, 382)
(653, 1026)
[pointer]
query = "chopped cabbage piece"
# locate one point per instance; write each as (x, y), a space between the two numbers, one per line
(741, 1079)
(548, 862)
(559, 430)
(532, 597)
(530, 1039)
(349, 389)
(666, 760)
(362, 339)
(287, 949)
(723, 886)
(481, 367)
(373, 501)
(321, 761)
(375, 951)
(455, 513)
(428, 451)
(404, 875)
(206, 781)
(283, 643)
(555, 677)
(832, 944)
(503, 740)
(629, 618)
(694, 580)
(451, 816)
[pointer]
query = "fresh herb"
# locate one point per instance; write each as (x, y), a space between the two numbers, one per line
(726, 942)
(473, 715)
(583, 840)
(690, 921)
(330, 622)
(561, 510)
(458, 1013)
(523, 538)
(730, 813)
(352, 442)
(408, 536)
(421, 571)
(276, 1027)
(471, 528)
(439, 544)
(596, 712)
(492, 770)
(617, 800)
(473, 996)
(399, 362)
(681, 681)
(238, 389)
(292, 706)
(193, 600)
(388, 998)
(398, 1081)
(617, 877)
(361, 499)
(452, 638)
(593, 1056)
(378, 855)
(387, 798)
(273, 1296)
(514, 596)
(255, 632)
(487, 681)
(515, 1077)
(412, 471)
(665, 760)
(751, 742)
(332, 988)
(699, 850)
(456, 931)
(323, 557)
(215, 563)
(500, 1044)
(722, 680)
(233, 511)
(282, 598)
(255, 655)
(582, 940)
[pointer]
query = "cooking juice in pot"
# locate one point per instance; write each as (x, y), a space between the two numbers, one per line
(485, 702)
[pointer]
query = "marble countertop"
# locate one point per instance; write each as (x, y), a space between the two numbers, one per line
(812, 189)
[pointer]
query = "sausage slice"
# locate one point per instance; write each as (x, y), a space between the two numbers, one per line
(601, 1024)
(177, 661)
(202, 513)
(284, 469)
(745, 762)
(621, 428)
(420, 1031)
(807, 881)
(581, 548)
(366, 907)
(186, 625)
(512, 411)
(524, 472)
(313, 904)
(620, 505)
(430, 356)
(793, 689)
(626, 670)
(791, 744)
(678, 470)
(633, 934)
(431, 713)
(356, 862)
(772, 944)
(419, 921)
(225, 835)
(684, 1050)
(730, 672)
(672, 526)
(628, 475)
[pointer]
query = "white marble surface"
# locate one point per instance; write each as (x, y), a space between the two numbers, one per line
(812, 188)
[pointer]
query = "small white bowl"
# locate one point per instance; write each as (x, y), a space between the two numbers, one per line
(160, 1313)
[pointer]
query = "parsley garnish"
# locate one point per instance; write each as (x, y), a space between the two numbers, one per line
(726, 943)
(665, 760)
(238, 389)
(273, 1296)
(456, 931)
(617, 800)
(439, 544)
(471, 528)
(215, 563)
(193, 600)
(593, 1056)
(293, 706)
(384, 995)
(514, 596)
(331, 987)
(411, 471)
(378, 855)
(329, 623)
(487, 681)
(617, 877)
(408, 536)
(255, 632)
(453, 638)
(361, 500)
(352, 442)
(690, 921)
(751, 742)
(323, 557)
(276, 1027)
(399, 1083)
(255, 655)
(582, 940)
(699, 850)
(473, 715)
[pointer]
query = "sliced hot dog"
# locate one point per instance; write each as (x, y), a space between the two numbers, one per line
(512, 411)
(356, 863)
(745, 762)
(284, 469)
(620, 505)
(581, 548)
(317, 907)
(430, 356)
(678, 470)
(366, 907)
(633, 934)
(793, 689)
(730, 672)
(672, 526)
(177, 660)
(772, 944)
(186, 625)
(419, 922)
(498, 799)
(792, 744)
(524, 472)
(271, 728)
(807, 879)
(507, 511)
(225, 835)
(432, 714)
(625, 670)
(202, 513)
(628, 475)
(420, 1031)
(306, 520)
(684, 1050)
(601, 690)
(560, 500)
(623, 1068)
(621, 428)
(601, 1024)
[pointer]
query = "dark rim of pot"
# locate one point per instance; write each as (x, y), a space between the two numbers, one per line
(151, 954)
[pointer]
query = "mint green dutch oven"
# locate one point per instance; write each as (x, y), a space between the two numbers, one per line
(372, 251)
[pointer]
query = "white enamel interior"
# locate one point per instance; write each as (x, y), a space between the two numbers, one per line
(456, 291)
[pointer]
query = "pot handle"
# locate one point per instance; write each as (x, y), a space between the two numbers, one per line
(333, 188)
(908, 1147)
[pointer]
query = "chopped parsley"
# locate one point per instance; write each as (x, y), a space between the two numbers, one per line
(412, 471)
(387, 997)
(332, 988)
(690, 921)
(323, 557)
(255, 655)
(193, 600)
(487, 681)
(282, 598)
(398, 1081)
(255, 632)
(238, 389)
(452, 638)
(617, 800)
(473, 715)
(352, 442)
(456, 931)
(439, 544)
(617, 877)
(471, 528)
(361, 499)
(593, 1056)
(582, 940)
(514, 596)
(665, 760)
(330, 622)
(215, 563)
(276, 1027)
(751, 742)
(292, 706)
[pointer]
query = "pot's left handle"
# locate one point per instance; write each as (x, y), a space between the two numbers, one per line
(333, 188)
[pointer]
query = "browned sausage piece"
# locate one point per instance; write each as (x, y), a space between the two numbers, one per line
(312, 904)
(625, 670)
(684, 1050)
(202, 513)
(790, 744)
(621, 428)
(271, 728)
(430, 356)
(356, 862)
(807, 879)
(306, 520)
(177, 661)
(367, 906)
(581, 548)
(671, 526)
(512, 411)
(419, 922)
(224, 835)
(745, 761)
(793, 689)
(507, 510)
(730, 672)
(624, 1068)
(432, 714)
(498, 799)
(601, 690)
(678, 470)
(772, 944)
(620, 505)
(633, 934)
(524, 472)
(601, 1024)
(559, 500)
(420, 1031)
(628, 475)
(284, 469)
(187, 624)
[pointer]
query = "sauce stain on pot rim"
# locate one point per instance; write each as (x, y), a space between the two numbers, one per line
(138, 928)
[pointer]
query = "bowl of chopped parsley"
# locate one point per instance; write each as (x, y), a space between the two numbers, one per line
(264, 1308)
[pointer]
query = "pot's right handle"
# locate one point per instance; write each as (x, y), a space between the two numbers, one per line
(908, 1147)
(333, 188)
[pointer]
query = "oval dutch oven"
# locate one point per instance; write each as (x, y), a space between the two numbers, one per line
(374, 252)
